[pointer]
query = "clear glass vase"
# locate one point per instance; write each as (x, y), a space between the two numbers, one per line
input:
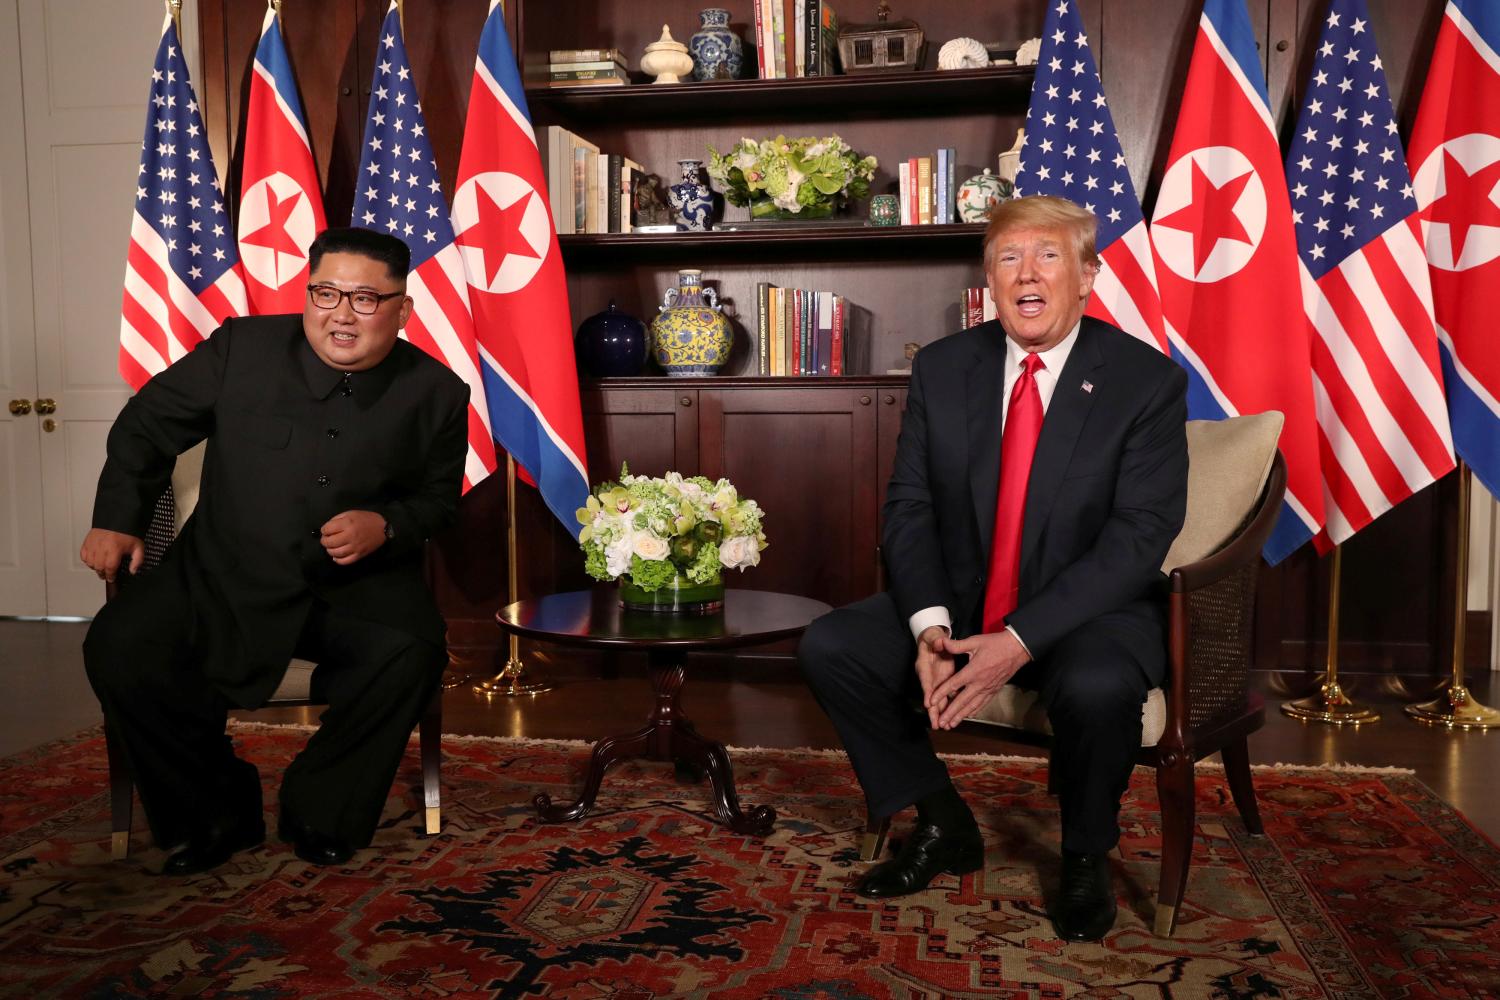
(681, 596)
(765, 209)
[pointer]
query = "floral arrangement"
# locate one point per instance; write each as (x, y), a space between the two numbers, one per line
(653, 529)
(791, 175)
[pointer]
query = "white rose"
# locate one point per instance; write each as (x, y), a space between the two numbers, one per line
(617, 556)
(648, 546)
(738, 553)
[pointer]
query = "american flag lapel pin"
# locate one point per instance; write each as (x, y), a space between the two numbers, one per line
(1087, 386)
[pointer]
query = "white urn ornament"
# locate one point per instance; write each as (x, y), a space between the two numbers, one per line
(667, 59)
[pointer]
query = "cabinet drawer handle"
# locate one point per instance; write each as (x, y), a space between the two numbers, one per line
(686, 401)
(889, 400)
(864, 401)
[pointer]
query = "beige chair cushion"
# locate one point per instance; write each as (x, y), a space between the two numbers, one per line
(1228, 464)
(1017, 708)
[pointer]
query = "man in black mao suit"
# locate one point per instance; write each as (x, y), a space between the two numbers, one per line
(1036, 560)
(334, 450)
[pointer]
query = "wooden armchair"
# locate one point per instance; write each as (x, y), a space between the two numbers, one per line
(297, 689)
(1236, 484)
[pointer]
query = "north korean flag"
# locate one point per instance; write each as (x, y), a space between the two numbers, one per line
(517, 288)
(1226, 261)
(1455, 161)
(281, 203)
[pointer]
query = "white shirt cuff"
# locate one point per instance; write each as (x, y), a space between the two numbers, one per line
(928, 617)
(1012, 630)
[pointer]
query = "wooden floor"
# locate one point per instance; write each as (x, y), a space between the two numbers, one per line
(753, 702)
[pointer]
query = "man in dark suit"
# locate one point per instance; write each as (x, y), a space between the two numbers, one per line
(334, 450)
(1040, 477)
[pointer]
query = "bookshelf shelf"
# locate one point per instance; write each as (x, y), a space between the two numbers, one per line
(845, 240)
(925, 93)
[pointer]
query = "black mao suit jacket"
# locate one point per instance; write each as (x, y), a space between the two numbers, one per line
(291, 443)
(1106, 496)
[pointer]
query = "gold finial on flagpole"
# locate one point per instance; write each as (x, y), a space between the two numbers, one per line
(276, 6)
(401, 13)
(1331, 704)
(174, 8)
(1455, 708)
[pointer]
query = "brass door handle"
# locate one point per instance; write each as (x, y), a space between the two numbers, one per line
(20, 407)
(46, 406)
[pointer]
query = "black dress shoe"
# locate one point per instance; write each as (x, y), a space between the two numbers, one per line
(929, 852)
(311, 846)
(1085, 908)
(214, 845)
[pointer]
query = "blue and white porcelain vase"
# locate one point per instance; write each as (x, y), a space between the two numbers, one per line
(717, 51)
(689, 335)
(691, 199)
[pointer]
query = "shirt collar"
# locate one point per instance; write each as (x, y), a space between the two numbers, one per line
(323, 379)
(1054, 358)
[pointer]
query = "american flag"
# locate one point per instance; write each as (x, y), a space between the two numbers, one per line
(182, 275)
(1072, 150)
(399, 193)
(1455, 158)
(1377, 382)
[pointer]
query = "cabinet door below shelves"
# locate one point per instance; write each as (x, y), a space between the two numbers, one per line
(654, 430)
(808, 457)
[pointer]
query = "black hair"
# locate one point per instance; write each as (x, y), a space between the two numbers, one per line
(389, 250)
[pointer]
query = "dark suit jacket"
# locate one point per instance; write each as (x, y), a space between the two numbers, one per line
(288, 448)
(1106, 497)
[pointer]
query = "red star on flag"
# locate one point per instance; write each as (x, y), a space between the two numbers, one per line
(497, 233)
(275, 232)
(1465, 202)
(1214, 204)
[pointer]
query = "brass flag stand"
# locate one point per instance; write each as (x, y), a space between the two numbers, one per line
(1331, 704)
(1455, 708)
(512, 680)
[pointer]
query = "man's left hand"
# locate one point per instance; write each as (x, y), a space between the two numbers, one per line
(352, 535)
(994, 658)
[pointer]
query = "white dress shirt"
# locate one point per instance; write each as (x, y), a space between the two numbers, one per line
(1046, 377)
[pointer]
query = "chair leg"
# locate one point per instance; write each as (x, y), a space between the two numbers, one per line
(120, 791)
(873, 841)
(430, 734)
(1174, 787)
(1236, 757)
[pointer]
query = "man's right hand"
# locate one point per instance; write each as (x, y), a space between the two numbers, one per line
(934, 665)
(103, 550)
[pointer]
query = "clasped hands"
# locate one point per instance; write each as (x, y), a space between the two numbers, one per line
(346, 537)
(952, 695)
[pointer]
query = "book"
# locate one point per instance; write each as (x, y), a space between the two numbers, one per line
(560, 76)
(951, 177)
(837, 365)
(799, 42)
(821, 43)
(778, 40)
(760, 41)
(605, 64)
(762, 327)
(585, 55)
(556, 143)
(913, 198)
(773, 331)
(823, 352)
(789, 328)
(903, 190)
(629, 172)
(789, 37)
(924, 190)
(940, 187)
(609, 81)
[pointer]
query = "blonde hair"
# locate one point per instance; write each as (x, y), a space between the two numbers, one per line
(1044, 211)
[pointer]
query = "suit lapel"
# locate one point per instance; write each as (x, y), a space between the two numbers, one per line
(1063, 424)
(985, 388)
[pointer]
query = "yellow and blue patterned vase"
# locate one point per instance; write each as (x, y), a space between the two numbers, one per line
(690, 336)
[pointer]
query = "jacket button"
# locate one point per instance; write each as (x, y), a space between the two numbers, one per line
(333, 432)
(322, 480)
(316, 533)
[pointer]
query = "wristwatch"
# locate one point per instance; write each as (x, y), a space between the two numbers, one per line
(390, 531)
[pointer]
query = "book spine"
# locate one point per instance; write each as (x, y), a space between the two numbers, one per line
(952, 185)
(554, 177)
(608, 81)
(830, 33)
(762, 328)
(567, 67)
(580, 189)
(616, 168)
(836, 363)
(924, 190)
(903, 190)
(562, 76)
(760, 42)
(591, 177)
(942, 209)
(913, 198)
(789, 37)
(824, 350)
(778, 39)
(789, 328)
(585, 55)
(814, 38)
(773, 323)
(799, 12)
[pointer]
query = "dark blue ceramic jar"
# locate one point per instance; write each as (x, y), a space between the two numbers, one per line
(611, 344)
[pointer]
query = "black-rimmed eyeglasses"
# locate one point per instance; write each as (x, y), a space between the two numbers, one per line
(361, 300)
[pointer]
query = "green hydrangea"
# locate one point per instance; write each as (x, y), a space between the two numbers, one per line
(795, 173)
(652, 574)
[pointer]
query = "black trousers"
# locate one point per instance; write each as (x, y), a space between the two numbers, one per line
(376, 680)
(859, 661)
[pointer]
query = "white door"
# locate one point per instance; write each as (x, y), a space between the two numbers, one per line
(22, 576)
(85, 74)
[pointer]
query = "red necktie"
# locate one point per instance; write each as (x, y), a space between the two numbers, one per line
(1023, 425)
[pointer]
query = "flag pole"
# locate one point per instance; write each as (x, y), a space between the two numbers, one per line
(1455, 708)
(1331, 704)
(174, 7)
(512, 680)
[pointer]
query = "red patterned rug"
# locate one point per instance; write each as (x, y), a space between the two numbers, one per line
(1366, 885)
